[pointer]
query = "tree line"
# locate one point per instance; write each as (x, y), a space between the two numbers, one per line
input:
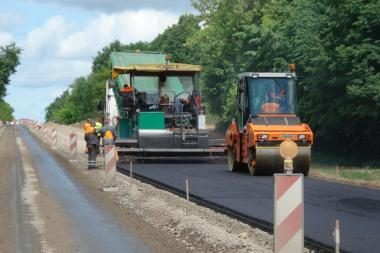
(9, 59)
(334, 44)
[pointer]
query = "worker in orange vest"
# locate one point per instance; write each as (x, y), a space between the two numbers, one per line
(92, 143)
(108, 134)
(127, 89)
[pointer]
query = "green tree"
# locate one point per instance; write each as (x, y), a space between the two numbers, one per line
(174, 40)
(6, 111)
(344, 100)
(56, 105)
(221, 45)
(9, 59)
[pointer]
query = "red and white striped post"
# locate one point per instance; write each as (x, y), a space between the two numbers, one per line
(110, 168)
(54, 137)
(45, 134)
(73, 145)
(288, 213)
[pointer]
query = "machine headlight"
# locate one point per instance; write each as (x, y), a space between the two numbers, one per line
(263, 136)
(289, 76)
(301, 136)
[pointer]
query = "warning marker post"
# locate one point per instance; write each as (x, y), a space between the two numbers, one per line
(110, 168)
(288, 204)
(73, 147)
(53, 138)
(45, 134)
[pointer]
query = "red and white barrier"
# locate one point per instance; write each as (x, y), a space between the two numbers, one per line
(73, 145)
(288, 213)
(110, 166)
(45, 134)
(54, 137)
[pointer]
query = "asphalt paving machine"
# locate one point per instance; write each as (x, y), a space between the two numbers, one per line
(266, 116)
(161, 114)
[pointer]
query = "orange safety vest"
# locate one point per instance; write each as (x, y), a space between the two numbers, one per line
(108, 135)
(128, 89)
(270, 108)
(88, 128)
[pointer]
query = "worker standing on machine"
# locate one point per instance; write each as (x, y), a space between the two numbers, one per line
(127, 89)
(127, 93)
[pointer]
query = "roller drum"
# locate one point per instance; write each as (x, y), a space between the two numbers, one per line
(269, 160)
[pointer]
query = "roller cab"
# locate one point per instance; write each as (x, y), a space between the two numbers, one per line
(266, 116)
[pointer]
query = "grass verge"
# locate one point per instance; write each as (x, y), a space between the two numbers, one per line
(348, 170)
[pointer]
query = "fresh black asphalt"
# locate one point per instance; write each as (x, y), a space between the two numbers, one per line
(357, 208)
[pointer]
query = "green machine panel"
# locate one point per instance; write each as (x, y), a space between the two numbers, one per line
(124, 128)
(151, 120)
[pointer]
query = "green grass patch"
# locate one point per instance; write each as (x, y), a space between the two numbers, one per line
(361, 174)
(350, 167)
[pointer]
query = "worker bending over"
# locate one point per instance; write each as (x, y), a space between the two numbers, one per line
(108, 134)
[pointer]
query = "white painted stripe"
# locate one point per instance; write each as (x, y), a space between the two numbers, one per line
(289, 201)
(295, 244)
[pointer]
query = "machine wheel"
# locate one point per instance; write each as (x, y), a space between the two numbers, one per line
(233, 165)
(251, 162)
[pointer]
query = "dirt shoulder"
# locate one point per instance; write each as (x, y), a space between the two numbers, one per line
(7, 224)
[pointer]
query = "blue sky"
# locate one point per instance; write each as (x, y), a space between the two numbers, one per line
(60, 38)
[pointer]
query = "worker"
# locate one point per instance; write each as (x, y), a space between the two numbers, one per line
(127, 89)
(98, 131)
(274, 101)
(127, 93)
(92, 146)
(92, 142)
(98, 128)
(88, 128)
(108, 134)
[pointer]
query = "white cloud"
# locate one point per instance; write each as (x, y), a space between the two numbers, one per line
(50, 72)
(5, 38)
(178, 6)
(127, 26)
(42, 42)
(59, 51)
